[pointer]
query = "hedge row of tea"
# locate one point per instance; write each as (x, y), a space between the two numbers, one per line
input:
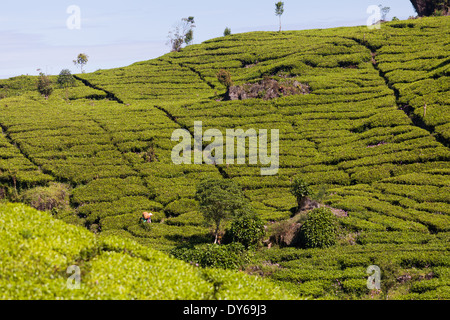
(413, 266)
(116, 158)
(413, 58)
(347, 131)
(37, 251)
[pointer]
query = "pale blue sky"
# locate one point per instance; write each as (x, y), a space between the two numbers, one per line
(34, 34)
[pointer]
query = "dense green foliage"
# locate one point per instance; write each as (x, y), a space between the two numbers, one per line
(229, 256)
(44, 85)
(431, 7)
(373, 130)
(53, 198)
(227, 32)
(220, 200)
(300, 189)
(319, 229)
(37, 250)
(247, 229)
(65, 79)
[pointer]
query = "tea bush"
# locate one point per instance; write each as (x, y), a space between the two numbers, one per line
(319, 230)
(38, 249)
(230, 256)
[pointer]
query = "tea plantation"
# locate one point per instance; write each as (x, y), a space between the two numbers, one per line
(37, 251)
(373, 131)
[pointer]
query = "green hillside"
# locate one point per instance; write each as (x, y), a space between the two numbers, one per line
(37, 251)
(374, 131)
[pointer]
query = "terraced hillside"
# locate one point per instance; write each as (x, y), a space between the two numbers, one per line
(37, 253)
(373, 131)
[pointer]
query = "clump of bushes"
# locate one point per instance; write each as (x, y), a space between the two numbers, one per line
(284, 233)
(8, 193)
(247, 229)
(53, 198)
(229, 256)
(227, 32)
(221, 200)
(65, 79)
(320, 229)
(44, 85)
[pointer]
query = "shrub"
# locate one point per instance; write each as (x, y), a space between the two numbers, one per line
(356, 287)
(65, 79)
(300, 189)
(220, 200)
(230, 256)
(53, 197)
(224, 78)
(2, 192)
(44, 85)
(227, 32)
(247, 229)
(390, 271)
(319, 229)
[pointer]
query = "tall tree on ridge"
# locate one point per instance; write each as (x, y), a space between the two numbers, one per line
(183, 33)
(279, 10)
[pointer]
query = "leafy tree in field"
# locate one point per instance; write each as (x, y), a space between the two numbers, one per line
(44, 85)
(384, 12)
(279, 10)
(65, 79)
(227, 32)
(431, 7)
(81, 61)
(183, 33)
(301, 190)
(220, 200)
(229, 256)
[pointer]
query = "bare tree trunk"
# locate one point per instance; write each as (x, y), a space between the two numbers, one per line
(216, 234)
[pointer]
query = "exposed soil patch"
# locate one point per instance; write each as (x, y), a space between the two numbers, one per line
(267, 89)
(286, 233)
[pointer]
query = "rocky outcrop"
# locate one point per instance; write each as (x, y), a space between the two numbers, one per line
(307, 204)
(267, 89)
